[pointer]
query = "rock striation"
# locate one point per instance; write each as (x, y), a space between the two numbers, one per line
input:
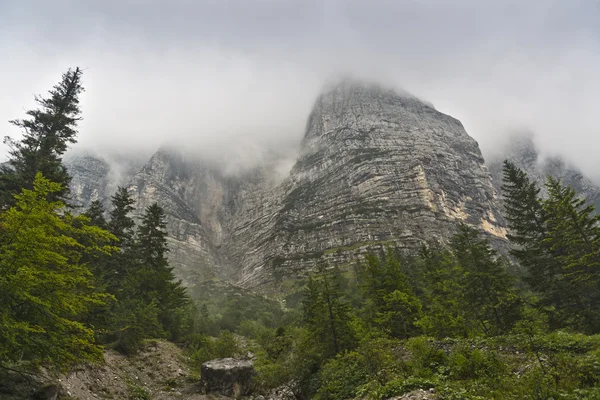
(376, 168)
(97, 178)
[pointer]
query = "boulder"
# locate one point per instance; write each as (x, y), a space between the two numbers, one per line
(228, 376)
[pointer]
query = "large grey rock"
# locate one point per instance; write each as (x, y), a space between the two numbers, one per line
(376, 168)
(228, 376)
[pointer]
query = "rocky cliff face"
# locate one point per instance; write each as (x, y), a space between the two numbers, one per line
(522, 151)
(96, 178)
(200, 201)
(375, 168)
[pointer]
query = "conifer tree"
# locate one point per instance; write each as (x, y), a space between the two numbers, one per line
(444, 313)
(573, 238)
(45, 288)
(121, 223)
(489, 291)
(391, 301)
(556, 241)
(326, 313)
(371, 276)
(118, 269)
(95, 213)
(154, 277)
(312, 303)
(526, 220)
(47, 131)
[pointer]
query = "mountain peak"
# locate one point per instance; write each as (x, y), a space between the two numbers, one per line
(351, 87)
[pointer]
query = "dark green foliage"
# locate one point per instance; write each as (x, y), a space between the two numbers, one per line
(489, 294)
(326, 313)
(133, 321)
(203, 348)
(121, 223)
(390, 302)
(573, 240)
(153, 279)
(47, 131)
(150, 302)
(444, 312)
(95, 213)
(557, 240)
(117, 270)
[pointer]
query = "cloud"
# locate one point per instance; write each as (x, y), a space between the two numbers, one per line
(229, 78)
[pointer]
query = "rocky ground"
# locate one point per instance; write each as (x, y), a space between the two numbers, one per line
(158, 372)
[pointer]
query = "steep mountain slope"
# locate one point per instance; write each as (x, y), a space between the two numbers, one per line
(522, 151)
(375, 168)
(96, 178)
(199, 202)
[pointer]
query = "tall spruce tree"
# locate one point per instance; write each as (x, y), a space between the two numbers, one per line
(47, 131)
(526, 217)
(390, 302)
(154, 277)
(121, 223)
(556, 241)
(120, 266)
(444, 312)
(489, 291)
(573, 238)
(95, 213)
(326, 313)
(372, 286)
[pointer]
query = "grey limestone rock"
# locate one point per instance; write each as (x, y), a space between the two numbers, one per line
(376, 168)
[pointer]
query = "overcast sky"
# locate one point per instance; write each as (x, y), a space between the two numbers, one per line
(232, 76)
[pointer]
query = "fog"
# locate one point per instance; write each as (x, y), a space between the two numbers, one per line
(233, 80)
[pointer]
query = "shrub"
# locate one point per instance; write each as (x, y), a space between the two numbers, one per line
(469, 362)
(342, 376)
(426, 358)
(204, 348)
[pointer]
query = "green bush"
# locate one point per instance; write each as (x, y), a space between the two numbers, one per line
(342, 376)
(426, 356)
(469, 362)
(135, 321)
(204, 348)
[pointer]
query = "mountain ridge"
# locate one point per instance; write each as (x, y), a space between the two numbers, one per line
(375, 169)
